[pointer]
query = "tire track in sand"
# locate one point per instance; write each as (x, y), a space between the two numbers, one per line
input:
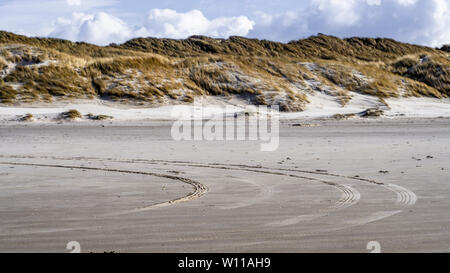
(198, 188)
(349, 195)
(405, 197)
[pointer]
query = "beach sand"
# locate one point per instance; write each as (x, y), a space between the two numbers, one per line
(128, 187)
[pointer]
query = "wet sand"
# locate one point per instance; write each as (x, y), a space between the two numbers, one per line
(131, 188)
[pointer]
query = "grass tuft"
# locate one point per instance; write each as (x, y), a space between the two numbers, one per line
(70, 115)
(98, 117)
(27, 118)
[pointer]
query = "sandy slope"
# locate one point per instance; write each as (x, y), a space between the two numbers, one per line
(321, 191)
(320, 106)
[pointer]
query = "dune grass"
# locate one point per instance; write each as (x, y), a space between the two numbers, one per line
(149, 71)
(70, 115)
(27, 118)
(7, 93)
(98, 117)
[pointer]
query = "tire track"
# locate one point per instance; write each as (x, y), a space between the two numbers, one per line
(256, 237)
(405, 197)
(264, 193)
(349, 195)
(192, 162)
(198, 188)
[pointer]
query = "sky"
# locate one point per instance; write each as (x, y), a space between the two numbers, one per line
(102, 22)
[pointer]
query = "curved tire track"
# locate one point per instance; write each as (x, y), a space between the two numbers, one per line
(199, 188)
(405, 197)
(349, 197)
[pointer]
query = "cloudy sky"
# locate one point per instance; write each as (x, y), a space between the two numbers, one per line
(105, 21)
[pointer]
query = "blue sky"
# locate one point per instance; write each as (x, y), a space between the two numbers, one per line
(105, 21)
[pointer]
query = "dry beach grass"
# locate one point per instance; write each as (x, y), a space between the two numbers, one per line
(163, 71)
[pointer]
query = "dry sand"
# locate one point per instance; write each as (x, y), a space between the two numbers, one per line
(131, 188)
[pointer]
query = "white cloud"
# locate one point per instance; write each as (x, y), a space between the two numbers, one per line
(36, 18)
(100, 28)
(105, 21)
(337, 12)
(406, 2)
(416, 21)
(103, 28)
(73, 2)
(374, 2)
(172, 24)
(439, 32)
